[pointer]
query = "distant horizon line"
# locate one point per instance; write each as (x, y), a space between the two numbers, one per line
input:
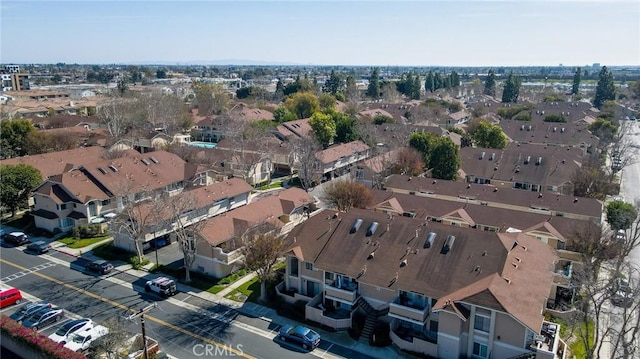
(242, 62)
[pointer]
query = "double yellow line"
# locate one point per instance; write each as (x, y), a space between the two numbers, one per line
(225, 347)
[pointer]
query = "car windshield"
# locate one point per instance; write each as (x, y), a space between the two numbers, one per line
(65, 328)
(312, 335)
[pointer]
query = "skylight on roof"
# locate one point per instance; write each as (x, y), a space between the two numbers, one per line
(153, 159)
(104, 172)
(145, 161)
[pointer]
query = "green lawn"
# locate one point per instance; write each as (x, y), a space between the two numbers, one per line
(72, 242)
(249, 291)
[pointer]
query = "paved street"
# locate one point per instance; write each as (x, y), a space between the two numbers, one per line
(631, 180)
(184, 325)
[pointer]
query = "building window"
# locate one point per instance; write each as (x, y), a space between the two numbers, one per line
(66, 222)
(106, 202)
(479, 350)
(308, 266)
(62, 207)
(482, 323)
(293, 267)
(92, 209)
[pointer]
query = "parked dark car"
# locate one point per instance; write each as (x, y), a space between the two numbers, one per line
(43, 317)
(300, 335)
(28, 310)
(39, 247)
(17, 238)
(99, 266)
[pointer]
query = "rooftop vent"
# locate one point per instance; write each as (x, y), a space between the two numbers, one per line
(154, 160)
(372, 229)
(522, 128)
(145, 161)
(555, 129)
(562, 130)
(539, 161)
(482, 155)
(113, 168)
(104, 172)
(430, 238)
(448, 244)
(356, 226)
(493, 156)
(527, 160)
(517, 170)
(529, 128)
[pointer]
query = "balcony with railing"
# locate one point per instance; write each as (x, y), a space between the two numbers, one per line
(406, 309)
(345, 291)
(327, 315)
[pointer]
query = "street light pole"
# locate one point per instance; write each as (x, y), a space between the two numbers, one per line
(144, 334)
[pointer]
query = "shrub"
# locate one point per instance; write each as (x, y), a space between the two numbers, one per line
(86, 231)
(136, 263)
(37, 340)
(554, 117)
(522, 117)
(509, 112)
(380, 119)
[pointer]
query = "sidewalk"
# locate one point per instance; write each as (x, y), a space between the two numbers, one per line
(250, 309)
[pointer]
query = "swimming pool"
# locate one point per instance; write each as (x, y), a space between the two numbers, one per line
(203, 144)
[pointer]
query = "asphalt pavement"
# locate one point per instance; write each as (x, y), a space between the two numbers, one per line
(185, 324)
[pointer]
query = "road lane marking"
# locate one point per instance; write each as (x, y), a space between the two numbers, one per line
(125, 308)
(27, 271)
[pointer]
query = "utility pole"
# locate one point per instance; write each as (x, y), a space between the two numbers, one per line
(144, 334)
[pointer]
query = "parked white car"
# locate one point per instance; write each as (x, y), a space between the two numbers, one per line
(63, 333)
(80, 341)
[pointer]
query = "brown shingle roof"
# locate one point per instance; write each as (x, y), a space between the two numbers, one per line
(335, 152)
(458, 191)
(223, 227)
(477, 261)
(522, 286)
(135, 172)
(54, 163)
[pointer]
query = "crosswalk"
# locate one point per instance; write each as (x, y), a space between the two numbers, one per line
(27, 271)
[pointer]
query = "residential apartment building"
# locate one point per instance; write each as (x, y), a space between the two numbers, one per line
(443, 291)
(219, 250)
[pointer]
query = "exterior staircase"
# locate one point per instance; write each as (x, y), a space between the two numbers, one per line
(371, 319)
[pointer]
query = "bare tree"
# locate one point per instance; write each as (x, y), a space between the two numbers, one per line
(346, 194)
(211, 99)
(305, 162)
(135, 217)
(262, 248)
(108, 345)
(181, 214)
(119, 115)
(621, 149)
(409, 162)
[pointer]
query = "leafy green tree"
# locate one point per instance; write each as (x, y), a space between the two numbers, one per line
(604, 129)
(429, 83)
(575, 89)
(324, 128)
(327, 101)
(605, 89)
(423, 143)
(488, 135)
(454, 79)
(373, 90)
(351, 90)
(161, 74)
(16, 185)
(12, 136)
(262, 249)
(346, 128)
(490, 84)
(334, 83)
(56, 79)
(282, 114)
(635, 88)
(243, 93)
(302, 104)
(438, 81)
(511, 89)
(621, 215)
(123, 86)
(299, 85)
(444, 160)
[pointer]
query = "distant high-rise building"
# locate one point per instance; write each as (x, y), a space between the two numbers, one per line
(13, 80)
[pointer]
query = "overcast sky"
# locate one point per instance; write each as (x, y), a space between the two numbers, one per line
(346, 32)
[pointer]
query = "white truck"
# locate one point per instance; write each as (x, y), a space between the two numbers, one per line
(162, 285)
(80, 341)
